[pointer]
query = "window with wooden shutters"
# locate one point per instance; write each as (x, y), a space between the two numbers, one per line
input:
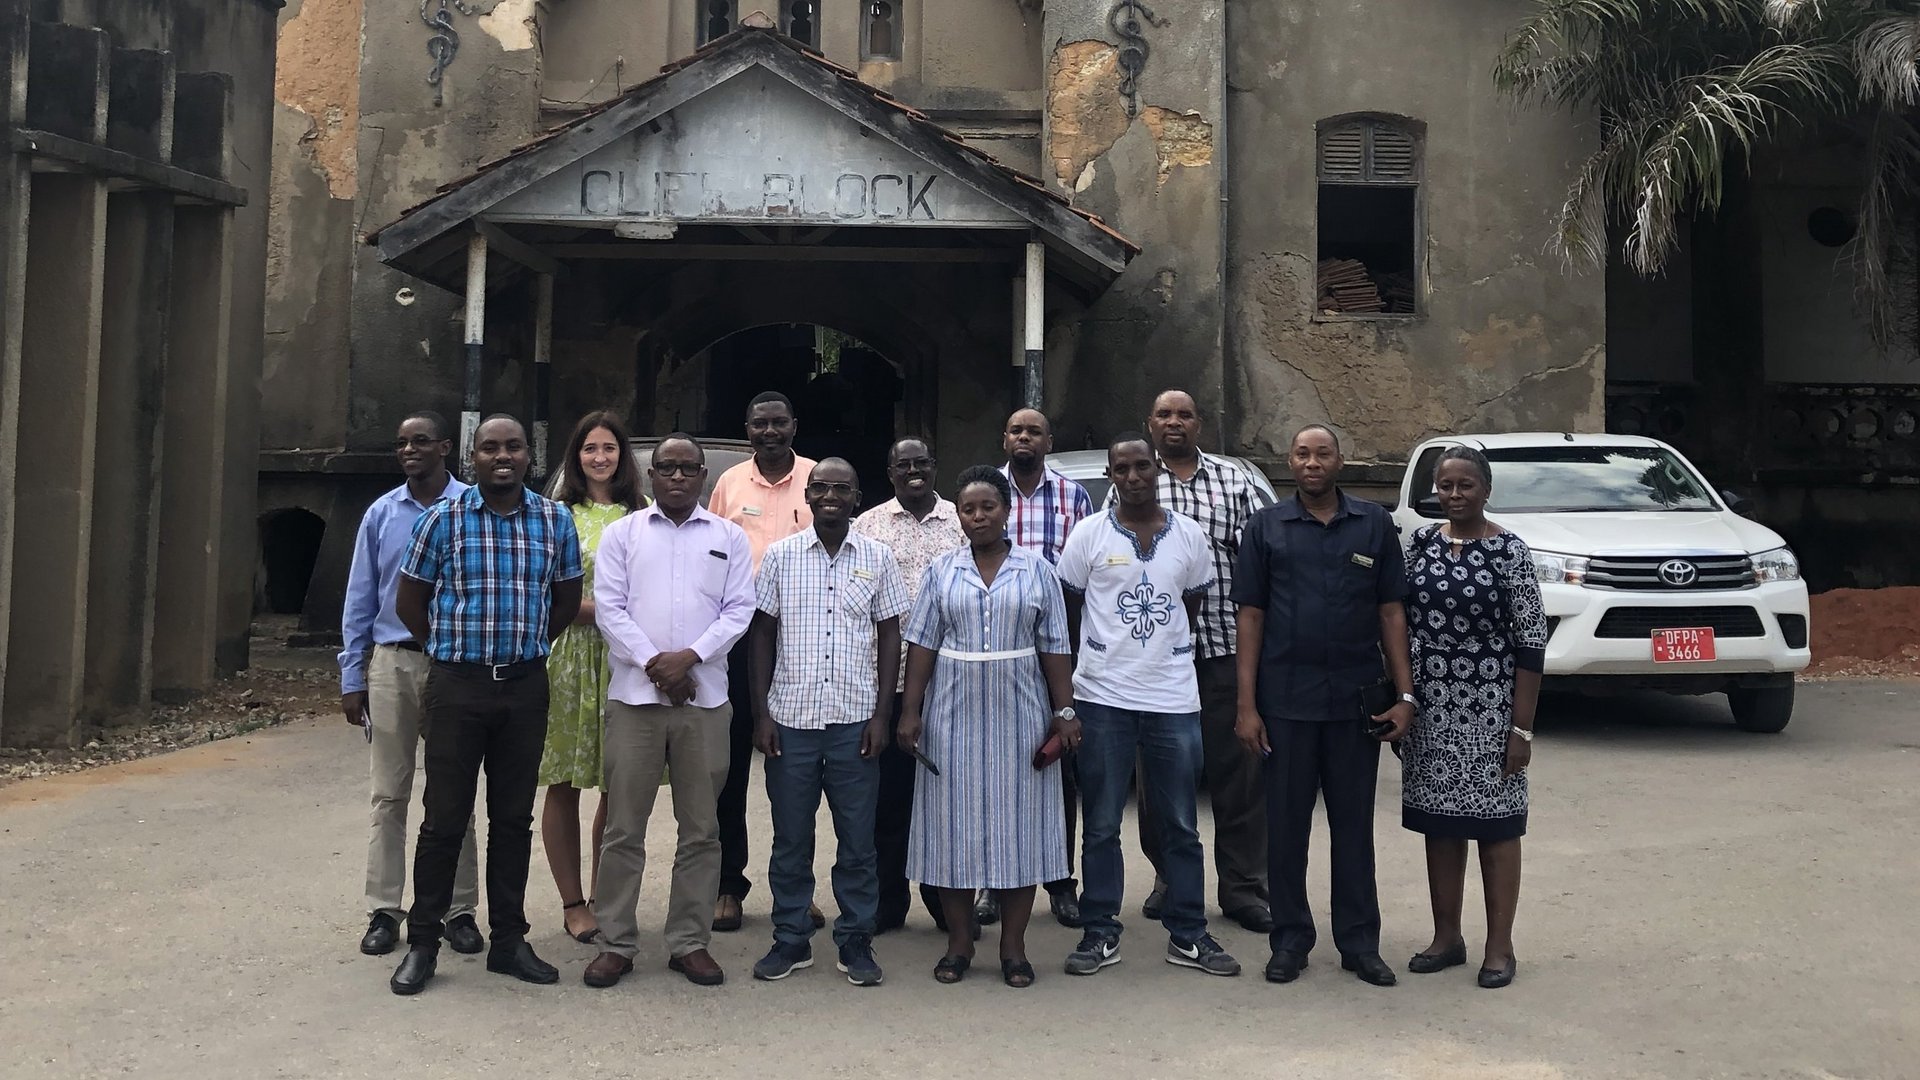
(718, 18)
(1369, 216)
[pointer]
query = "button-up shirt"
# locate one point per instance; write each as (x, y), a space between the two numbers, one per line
(1322, 587)
(826, 660)
(493, 575)
(915, 543)
(369, 619)
(660, 587)
(1219, 498)
(767, 512)
(1042, 521)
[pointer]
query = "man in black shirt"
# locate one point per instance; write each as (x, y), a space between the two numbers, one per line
(1329, 571)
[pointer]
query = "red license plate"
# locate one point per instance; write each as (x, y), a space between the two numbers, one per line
(1691, 645)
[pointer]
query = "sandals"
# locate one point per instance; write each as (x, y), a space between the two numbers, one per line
(1016, 973)
(584, 937)
(951, 969)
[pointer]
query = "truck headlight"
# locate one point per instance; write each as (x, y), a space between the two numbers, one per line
(1557, 569)
(1776, 565)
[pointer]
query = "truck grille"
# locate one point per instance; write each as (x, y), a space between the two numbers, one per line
(1640, 622)
(1643, 572)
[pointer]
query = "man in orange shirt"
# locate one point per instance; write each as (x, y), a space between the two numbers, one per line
(766, 496)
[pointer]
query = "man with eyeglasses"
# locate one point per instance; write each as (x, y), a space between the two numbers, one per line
(918, 526)
(673, 592)
(766, 496)
(826, 652)
(383, 682)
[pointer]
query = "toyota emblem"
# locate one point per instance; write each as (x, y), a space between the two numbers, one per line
(1678, 572)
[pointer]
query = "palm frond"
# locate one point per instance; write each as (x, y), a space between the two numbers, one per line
(1887, 60)
(1785, 13)
(1884, 229)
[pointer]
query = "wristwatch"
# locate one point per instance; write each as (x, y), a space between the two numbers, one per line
(1526, 734)
(1066, 714)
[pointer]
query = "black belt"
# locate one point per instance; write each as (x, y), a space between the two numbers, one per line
(410, 645)
(496, 672)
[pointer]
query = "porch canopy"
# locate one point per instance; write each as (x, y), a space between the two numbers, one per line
(754, 143)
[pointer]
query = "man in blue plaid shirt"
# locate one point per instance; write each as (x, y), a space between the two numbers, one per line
(491, 578)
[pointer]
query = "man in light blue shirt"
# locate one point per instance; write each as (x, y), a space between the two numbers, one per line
(383, 678)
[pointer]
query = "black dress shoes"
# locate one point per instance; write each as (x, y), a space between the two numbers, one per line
(1285, 966)
(1426, 963)
(1370, 968)
(889, 920)
(516, 958)
(986, 910)
(1155, 902)
(1255, 917)
(464, 935)
(414, 971)
(1066, 909)
(383, 933)
(1492, 979)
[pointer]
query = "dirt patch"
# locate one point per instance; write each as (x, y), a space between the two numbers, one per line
(283, 685)
(1866, 632)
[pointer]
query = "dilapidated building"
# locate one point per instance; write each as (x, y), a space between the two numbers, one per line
(911, 215)
(133, 231)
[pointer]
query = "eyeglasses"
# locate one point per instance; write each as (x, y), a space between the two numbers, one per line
(417, 442)
(924, 464)
(678, 468)
(819, 488)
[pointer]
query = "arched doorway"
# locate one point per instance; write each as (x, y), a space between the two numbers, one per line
(289, 548)
(850, 398)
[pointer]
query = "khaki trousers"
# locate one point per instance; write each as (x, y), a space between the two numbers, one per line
(640, 741)
(396, 689)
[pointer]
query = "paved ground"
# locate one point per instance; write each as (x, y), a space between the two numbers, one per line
(1698, 902)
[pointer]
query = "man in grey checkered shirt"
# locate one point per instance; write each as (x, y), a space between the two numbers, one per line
(1215, 493)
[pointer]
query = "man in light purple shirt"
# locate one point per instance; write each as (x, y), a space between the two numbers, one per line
(673, 591)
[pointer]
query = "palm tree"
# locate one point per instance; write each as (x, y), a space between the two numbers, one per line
(1684, 90)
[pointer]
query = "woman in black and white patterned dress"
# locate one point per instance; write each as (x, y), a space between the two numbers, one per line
(1479, 637)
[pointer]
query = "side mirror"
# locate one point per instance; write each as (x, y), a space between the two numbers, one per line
(1738, 503)
(1428, 506)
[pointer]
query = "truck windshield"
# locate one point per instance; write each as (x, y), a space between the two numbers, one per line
(1575, 479)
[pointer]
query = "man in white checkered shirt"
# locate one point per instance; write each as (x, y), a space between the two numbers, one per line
(826, 647)
(1215, 493)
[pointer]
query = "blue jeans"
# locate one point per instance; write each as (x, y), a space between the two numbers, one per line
(1168, 748)
(812, 762)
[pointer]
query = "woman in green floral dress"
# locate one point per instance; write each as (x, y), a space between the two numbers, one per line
(600, 483)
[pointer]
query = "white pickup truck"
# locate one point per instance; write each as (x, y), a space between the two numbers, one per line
(1650, 577)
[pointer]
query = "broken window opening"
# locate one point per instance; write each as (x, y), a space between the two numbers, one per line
(800, 20)
(1368, 217)
(718, 18)
(880, 32)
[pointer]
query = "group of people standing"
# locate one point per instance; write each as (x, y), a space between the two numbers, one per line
(955, 678)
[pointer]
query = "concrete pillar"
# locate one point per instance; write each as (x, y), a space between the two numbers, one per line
(126, 479)
(14, 190)
(193, 448)
(59, 398)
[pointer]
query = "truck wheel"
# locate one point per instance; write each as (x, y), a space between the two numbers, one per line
(1763, 709)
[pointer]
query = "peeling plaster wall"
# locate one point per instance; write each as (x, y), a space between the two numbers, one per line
(1156, 176)
(1506, 338)
(310, 224)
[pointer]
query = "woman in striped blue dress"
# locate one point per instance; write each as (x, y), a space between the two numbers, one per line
(988, 679)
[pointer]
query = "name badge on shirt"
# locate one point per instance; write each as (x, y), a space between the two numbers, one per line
(1119, 560)
(1363, 560)
(750, 511)
(865, 574)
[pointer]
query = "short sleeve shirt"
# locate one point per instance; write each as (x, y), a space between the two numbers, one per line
(1220, 498)
(1042, 521)
(1136, 645)
(765, 512)
(1322, 587)
(493, 575)
(826, 658)
(915, 543)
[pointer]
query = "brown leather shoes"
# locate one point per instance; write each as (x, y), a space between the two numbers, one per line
(726, 914)
(699, 967)
(606, 969)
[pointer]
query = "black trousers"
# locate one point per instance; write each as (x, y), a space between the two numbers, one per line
(732, 805)
(893, 824)
(473, 723)
(1338, 759)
